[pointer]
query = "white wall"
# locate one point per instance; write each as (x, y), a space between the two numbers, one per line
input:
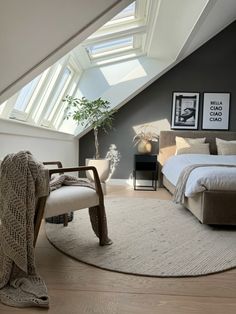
(35, 34)
(45, 145)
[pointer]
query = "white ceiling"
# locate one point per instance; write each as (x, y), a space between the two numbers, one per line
(217, 15)
(182, 26)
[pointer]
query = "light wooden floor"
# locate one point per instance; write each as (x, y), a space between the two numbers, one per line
(76, 288)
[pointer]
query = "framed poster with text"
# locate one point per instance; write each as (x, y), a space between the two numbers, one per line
(216, 111)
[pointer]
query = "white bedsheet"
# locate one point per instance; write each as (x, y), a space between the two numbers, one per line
(205, 178)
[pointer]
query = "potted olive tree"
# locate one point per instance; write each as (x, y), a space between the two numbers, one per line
(97, 114)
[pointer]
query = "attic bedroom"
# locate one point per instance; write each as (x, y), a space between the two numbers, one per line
(130, 88)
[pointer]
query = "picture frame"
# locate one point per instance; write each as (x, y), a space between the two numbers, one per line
(216, 107)
(185, 110)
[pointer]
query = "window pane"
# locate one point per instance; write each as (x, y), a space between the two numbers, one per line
(111, 46)
(57, 91)
(129, 11)
(2, 106)
(25, 94)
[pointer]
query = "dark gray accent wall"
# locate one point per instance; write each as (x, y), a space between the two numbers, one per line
(212, 68)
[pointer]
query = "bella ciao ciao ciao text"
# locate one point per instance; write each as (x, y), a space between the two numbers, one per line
(216, 111)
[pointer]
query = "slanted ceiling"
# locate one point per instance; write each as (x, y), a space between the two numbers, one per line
(35, 34)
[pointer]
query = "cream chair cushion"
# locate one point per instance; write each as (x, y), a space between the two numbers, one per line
(69, 198)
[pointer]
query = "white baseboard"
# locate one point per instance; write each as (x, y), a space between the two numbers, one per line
(128, 182)
(118, 182)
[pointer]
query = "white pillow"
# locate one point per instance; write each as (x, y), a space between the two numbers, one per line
(202, 148)
(225, 147)
(185, 142)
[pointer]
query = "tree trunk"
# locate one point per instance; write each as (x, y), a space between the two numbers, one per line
(97, 156)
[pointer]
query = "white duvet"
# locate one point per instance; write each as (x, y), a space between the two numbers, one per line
(205, 178)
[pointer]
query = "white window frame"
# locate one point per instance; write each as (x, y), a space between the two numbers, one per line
(61, 110)
(53, 103)
(43, 93)
(53, 115)
(112, 51)
(135, 27)
(23, 115)
(124, 19)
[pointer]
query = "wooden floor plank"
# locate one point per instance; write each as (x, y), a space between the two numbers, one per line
(81, 302)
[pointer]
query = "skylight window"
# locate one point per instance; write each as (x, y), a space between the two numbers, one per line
(108, 47)
(127, 14)
(39, 102)
(123, 35)
(58, 91)
(25, 94)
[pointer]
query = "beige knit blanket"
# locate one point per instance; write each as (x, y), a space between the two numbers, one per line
(178, 196)
(22, 181)
(57, 181)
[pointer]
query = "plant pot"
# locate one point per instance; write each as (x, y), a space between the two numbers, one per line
(102, 166)
(144, 147)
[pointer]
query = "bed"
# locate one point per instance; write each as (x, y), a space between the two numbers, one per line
(209, 206)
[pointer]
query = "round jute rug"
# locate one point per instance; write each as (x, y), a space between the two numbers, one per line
(151, 237)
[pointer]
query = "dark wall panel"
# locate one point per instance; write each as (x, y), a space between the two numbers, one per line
(212, 68)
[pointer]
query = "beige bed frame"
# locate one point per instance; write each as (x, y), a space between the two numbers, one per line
(210, 207)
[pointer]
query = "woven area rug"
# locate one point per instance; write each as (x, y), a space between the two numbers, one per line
(151, 237)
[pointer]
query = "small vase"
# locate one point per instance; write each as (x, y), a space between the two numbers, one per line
(144, 147)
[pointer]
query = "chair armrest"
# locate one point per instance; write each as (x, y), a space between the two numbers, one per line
(58, 163)
(97, 182)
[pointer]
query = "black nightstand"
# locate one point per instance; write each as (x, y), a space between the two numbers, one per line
(148, 164)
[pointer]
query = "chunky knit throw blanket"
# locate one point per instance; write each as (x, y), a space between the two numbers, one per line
(22, 181)
(58, 181)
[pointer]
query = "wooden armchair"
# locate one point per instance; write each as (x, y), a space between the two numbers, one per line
(71, 198)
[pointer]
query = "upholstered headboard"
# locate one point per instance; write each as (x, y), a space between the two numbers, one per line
(167, 142)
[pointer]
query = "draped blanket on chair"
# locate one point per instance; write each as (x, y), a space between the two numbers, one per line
(22, 181)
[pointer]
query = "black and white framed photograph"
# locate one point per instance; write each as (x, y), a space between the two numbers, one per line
(215, 114)
(185, 108)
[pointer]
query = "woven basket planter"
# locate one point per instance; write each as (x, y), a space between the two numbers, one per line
(60, 218)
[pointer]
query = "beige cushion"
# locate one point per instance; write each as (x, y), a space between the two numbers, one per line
(225, 147)
(194, 149)
(70, 198)
(184, 142)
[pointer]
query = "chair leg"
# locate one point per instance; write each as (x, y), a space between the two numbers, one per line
(99, 224)
(65, 220)
(39, 212)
